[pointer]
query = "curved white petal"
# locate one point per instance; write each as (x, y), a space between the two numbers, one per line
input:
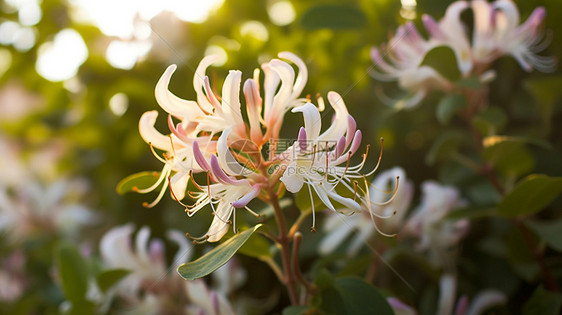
(172, 104)
(199, 82)
(150, 134)
(291, 179)
(141, 245)
(312, 120)
(302, 76)
(340, 123)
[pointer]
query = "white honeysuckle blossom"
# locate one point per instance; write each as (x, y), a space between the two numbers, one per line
(383, 185)
(497, 32)
(321, 160)
(481, 302)
(44, 209)
(213, 138)
(207, 127)
(428, 222)
(152, 286)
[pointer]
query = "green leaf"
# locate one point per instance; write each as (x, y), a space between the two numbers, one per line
(256, 246)
(217, 257)
(443, 60)
(449, 106)
(472, 83)
(109, 278)
(530, 196)
(137, 181)
(444, 146)
(295, 310)
(490, 121)
(509, 154)
(543, 302)
(73, 273)
(351, 295)
(471, 213)
(548, 231)
(333, 16)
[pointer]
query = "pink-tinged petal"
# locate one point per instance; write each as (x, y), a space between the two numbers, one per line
(432, 27)
(156, 252)
(383, 65)
(339, 126)
(312, 120)
(399, 307)
(462, 305)
(115, 247)
(242, 202)
(534, 21)
(171, 103)
(219, 174)
(199, 82)
(351, 127)
(509, 15)
(302, 139)
(282, 98)
(302, 76)
(253, 108)
(150, 134)
(211, 95)
(340, 147)
(291, 179)
(199, 158)
(354, 146)
(486, 299)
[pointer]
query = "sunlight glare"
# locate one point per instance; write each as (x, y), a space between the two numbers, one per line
(60, 59)
(125, 54)
(119, 103)
(281, 13)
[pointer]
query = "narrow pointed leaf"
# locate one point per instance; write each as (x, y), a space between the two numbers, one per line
(217, 257)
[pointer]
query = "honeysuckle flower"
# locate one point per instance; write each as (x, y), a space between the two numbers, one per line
(405, 53)
(447, 304)
(497, 32)
(146, 261)
(44, 209)
(428, 222)
(321, 160)
(383, 185)
(203, 120)
(152, 287)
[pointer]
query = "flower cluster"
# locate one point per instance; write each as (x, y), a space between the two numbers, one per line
(497, 32)
(152, 286)
(210, 136)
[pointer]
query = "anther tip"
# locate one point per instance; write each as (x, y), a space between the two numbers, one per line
(313, 229)
(135, 189)
(145, 204)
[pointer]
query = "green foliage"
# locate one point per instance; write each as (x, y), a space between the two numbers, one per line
(217, 257)
(74, 276)
(109, 278)
(449, 106)
(548, 231)
(256, 246)
(543, 302)
(351, 295)
(443, 60)
(531, 195)
(136, 181)
(333, 16)
(444, 146)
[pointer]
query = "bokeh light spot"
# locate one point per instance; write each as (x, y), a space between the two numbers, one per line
(60, 59)
(281, 13)
(119, 103)
(255, 29)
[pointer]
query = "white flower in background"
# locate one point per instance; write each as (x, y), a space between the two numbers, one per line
(12, 276)
(497, 32)
(400, 60)
(429, 223)
(446, 305)
(43, 209)
(152, 286)
(340, 227)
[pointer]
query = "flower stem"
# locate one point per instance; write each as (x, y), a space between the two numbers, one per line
(284, 241)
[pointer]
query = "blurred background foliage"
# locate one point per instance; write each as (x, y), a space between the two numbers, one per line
(70, 105)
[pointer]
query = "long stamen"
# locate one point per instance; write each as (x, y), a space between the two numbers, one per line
(371, 212)
(391, 198)
(173, 194)
(155, 154)
(312, 228)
